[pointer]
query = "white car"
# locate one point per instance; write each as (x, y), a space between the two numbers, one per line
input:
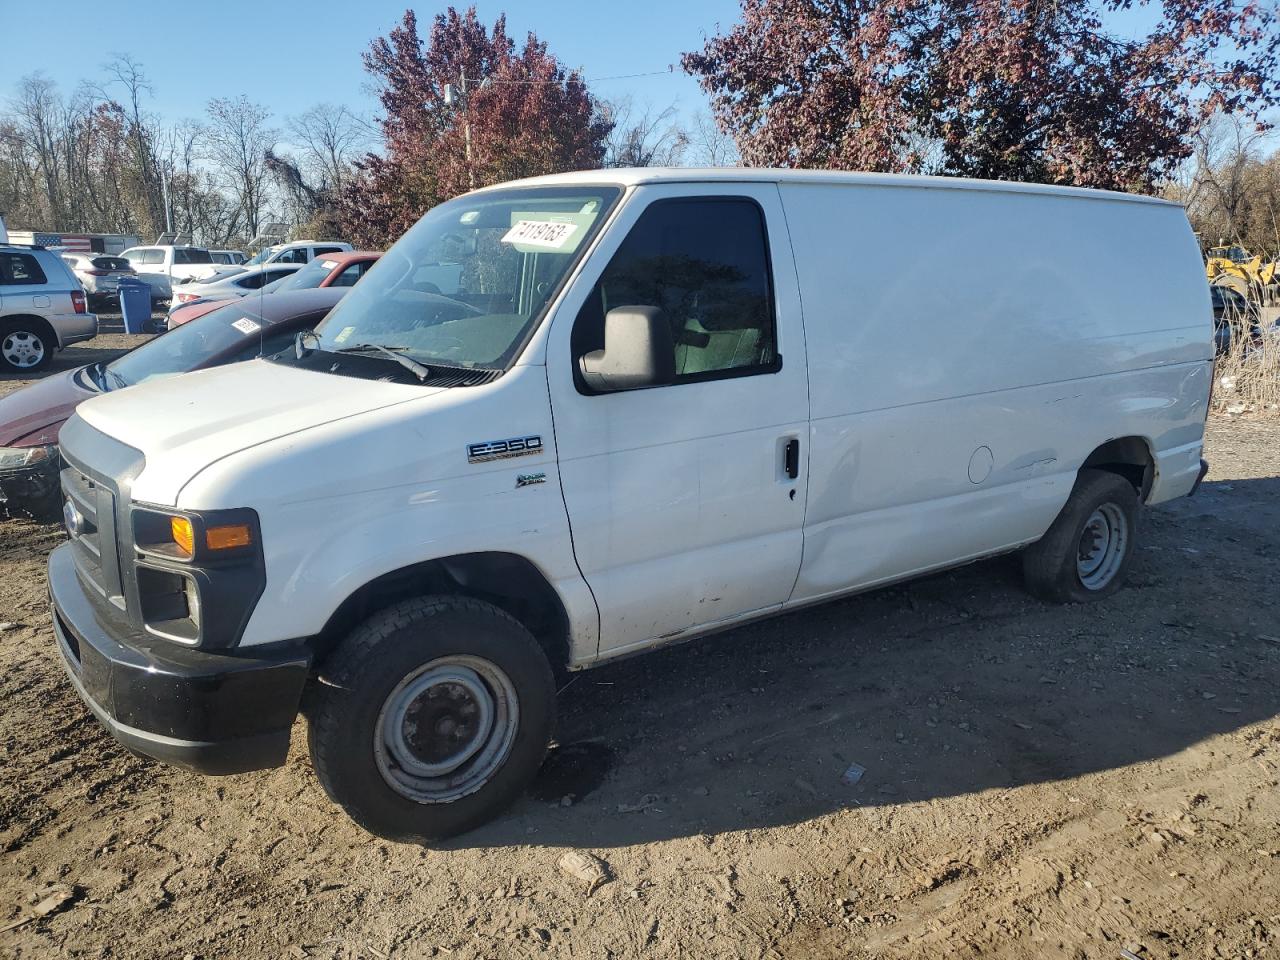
(177, 264)
(299, 252)
(573, 418)
(229, 286)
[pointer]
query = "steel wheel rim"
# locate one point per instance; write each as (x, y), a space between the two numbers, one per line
(446, 729)
(22, 349)
(1104, 542)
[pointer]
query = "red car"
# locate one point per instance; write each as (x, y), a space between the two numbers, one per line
(341, 269)
(30, 418)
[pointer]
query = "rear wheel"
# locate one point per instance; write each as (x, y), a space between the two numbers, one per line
(1086, 552)
(25, 347)
(431, 717)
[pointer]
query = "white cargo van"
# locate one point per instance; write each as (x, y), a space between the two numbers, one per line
(577, 417)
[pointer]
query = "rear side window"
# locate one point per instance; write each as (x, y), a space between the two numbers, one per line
(349, 276)
(705, 263)
(253, 281)
(189, 255)
(20, 268)
(153, 256)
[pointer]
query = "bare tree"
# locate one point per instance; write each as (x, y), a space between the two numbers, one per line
(1217, 194)
(709, 146)
(35, 112)
(642, 137)
(329, 138)
(237, 139)
(126, 72)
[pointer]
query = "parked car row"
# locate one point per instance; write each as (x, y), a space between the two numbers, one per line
(331, 270)
(31, 418)
(167, 267)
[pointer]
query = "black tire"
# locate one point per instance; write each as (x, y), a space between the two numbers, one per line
(28, 333)
(1051, 566)
(373, 663)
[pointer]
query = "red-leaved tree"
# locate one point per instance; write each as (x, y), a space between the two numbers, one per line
(1035, 90)
(526, 115)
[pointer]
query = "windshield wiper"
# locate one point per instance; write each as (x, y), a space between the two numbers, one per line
(421, 371)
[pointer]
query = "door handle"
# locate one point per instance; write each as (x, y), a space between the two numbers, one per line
(791, 458)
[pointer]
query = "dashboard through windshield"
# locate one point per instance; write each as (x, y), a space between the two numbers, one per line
(466, 285)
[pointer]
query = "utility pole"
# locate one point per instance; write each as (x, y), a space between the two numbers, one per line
(466, 127)
(164, 192)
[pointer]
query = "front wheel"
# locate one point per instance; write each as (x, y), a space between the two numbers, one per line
(1085, 553)
(431, 717)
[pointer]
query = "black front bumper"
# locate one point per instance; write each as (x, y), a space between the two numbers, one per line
(217, 712)
(29, 487)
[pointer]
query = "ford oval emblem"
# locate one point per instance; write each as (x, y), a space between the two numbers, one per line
(73, 518)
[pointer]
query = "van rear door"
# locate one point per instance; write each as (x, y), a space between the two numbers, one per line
(686, 500)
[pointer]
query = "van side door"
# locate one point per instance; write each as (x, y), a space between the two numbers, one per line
(686, 500)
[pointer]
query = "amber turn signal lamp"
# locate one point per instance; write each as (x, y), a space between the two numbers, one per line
(183, 535)
(228, 537)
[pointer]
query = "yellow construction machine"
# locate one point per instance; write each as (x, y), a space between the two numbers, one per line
(1231, 265)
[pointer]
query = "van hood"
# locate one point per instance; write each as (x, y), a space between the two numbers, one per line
(182, 424)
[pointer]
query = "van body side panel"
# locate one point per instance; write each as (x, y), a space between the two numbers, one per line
(968, 350)
(372, 494)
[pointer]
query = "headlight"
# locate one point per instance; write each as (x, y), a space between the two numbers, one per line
(15, 458)
(199, 535)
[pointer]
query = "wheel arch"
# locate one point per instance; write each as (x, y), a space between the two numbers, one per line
(1128, 457)
(509, 581)
(37, 321)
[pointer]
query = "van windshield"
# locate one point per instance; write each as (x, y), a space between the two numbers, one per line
(468, 283)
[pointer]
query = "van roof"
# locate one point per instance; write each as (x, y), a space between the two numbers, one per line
(633, 176)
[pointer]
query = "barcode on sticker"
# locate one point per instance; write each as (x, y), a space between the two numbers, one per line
(245, 325)
(541, 233)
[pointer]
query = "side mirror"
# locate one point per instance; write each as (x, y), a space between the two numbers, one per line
(638, 351)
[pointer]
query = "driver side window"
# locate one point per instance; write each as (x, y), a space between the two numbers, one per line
(704, 263)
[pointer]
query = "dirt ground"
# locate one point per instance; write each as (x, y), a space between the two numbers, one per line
(1039, 782)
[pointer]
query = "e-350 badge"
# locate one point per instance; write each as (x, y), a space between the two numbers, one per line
(502, 449)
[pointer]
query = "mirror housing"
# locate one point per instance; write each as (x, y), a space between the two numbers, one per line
(639, 352)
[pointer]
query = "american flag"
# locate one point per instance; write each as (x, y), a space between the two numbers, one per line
(71, 242)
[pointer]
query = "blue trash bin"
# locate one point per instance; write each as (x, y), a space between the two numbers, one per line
(135, 304)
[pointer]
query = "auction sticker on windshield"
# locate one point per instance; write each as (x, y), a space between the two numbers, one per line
(549, 234)
(245, 325)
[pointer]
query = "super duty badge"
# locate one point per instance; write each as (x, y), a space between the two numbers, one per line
(502, 449)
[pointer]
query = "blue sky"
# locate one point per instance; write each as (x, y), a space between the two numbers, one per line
(289, 56)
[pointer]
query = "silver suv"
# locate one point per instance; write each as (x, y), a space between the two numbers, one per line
(42, 308)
